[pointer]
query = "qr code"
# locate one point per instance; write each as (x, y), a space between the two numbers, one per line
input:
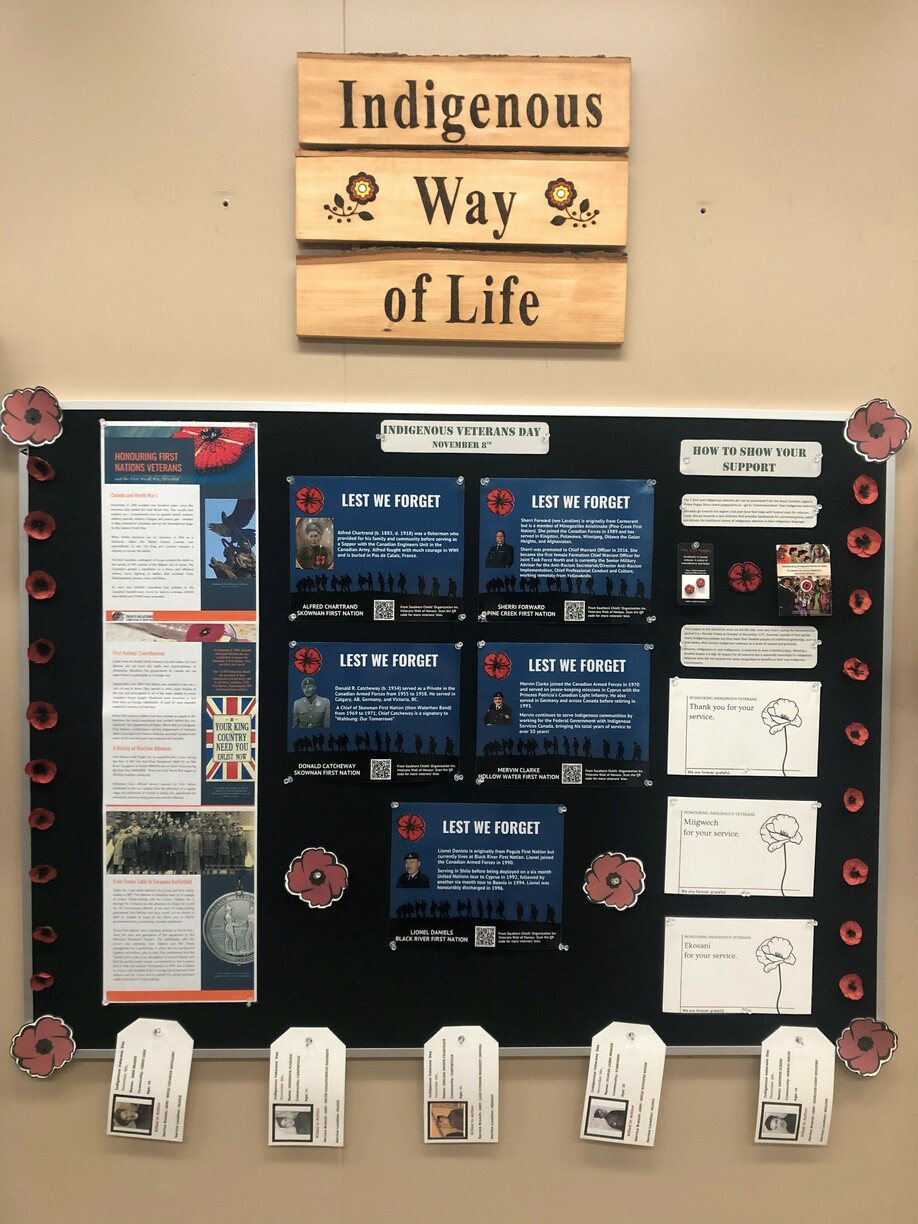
(380, 769)
(571, 775)
(485, 937)
(384, 609)
(575, 610)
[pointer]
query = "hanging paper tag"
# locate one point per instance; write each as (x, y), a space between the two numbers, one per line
(150, 1081)
(796, 1084)
(622, 1098)
(461, 1085)
(306, 1092)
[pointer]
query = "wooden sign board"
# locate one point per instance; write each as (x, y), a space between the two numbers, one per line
(488, 199)
(476, 297)
(474, 102)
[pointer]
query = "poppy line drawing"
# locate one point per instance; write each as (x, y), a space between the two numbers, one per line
(778, 833)
(773, 954)
(778, 716)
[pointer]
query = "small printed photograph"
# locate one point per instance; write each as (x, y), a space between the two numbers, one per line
(149, 842)
(292, 1124)
(315, 543)
(606, 1118)
(232, 554)
(132, 1114)
(447, 1120)
(780, 1121)
(804, 579)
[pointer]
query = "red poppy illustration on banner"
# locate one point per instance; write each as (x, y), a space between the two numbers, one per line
(310, 500)
(500, 501)
(411, 826)
(497, 665)
(307, 659)
(865, 1045)
(877, 431)
(43, 1047)
(31, 416)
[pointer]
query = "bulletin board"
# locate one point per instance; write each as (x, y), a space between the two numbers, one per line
(339, 966)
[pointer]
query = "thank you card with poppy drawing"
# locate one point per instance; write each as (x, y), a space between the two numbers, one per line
(796, 1086)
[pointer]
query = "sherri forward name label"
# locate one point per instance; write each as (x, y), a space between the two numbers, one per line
(375, 548)
(574, 714)
(371, 712)
(565, 550)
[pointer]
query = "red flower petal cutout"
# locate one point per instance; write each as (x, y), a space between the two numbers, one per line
(43, 1047)
(41, 818)
(411, 826)
(307, 660)
(856, 669)
(744, 576)
(865, 490)
(40, 585)
(855, 871)
(30, 416)
(42, 873)
(38, 525)
(42, 715)
(40, 651)
(44, 934)
(865, 1045)
(864, 541)
(310, 500)
(859, 601)
(217, 447)
(40, 469)
(497, 665)
(316, 877)
(857, 734)
(41, 770)
(854, 799)
(41, 981)
(876, 430)
(615, 880)
(500, 501)
(851, 933)
(851, 986)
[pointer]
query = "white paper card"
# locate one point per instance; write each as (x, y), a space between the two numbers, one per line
(483, 437)
(735, 510)
(461, 1086)
(306, 1089)
(740, 847)
(764, 728)
(149, 1088)
(796, 1086)
(729, 965)
(622, 1098)
(746, 457)
(733, 646)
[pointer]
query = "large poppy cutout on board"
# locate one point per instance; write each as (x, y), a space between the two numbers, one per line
(614, 880)
(316, 877)
(865, 1045)
(43, 1047)
(876, 430)
(31, 416)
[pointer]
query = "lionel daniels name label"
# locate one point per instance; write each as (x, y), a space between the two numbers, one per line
(443, 295)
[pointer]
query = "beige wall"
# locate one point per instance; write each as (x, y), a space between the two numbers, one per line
(123, 128)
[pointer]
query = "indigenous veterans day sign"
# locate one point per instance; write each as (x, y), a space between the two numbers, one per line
(438, 161)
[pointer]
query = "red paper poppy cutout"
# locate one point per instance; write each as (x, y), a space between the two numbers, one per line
(856, 669)
(41, 770)
(43, 1047)
(40, 469)
(308, 660)
(857, 734)
(40, 585)
(855, 871)
(42, 873)
(854, 799)
(310, 500)
(217, 447)
(500, 501)
(317, 878)
(30, 416)
(38, 525)
(41, 818)
(744, 576)
(41, 981)
(44, 934)
(864, 541)
(208, 633)
(851, 986)
(851, 933)
(859, 601)
(41, 715)
(614, 880)
(40, 651)
(865, 1045)
(876, 430)
(497, 665)
(865, 490)
(411, 826)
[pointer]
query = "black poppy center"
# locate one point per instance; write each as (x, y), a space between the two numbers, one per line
(862, 541)
(855, 873)
(206, 632)
(31, 416)
(210, 435)
(45, 1046)
(613, 879)
(877, 429)
(317, 877)
(865, 1043)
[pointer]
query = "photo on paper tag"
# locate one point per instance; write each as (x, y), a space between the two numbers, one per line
(804, 579)
(796, 1087)
(606, 1118)
(622, 1099)
(149, 1086)
(291, 1125)
(461, 1079)
(132, 1113)
(779, 1122)
(447, 1120)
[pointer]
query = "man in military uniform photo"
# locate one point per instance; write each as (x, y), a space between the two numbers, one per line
(500, 554)
(412, 876)
(310, 710)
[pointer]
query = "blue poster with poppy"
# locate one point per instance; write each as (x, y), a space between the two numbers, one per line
(479, 875)
(566, 713)
(572, 551)
(376, 548)
(373, 712)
